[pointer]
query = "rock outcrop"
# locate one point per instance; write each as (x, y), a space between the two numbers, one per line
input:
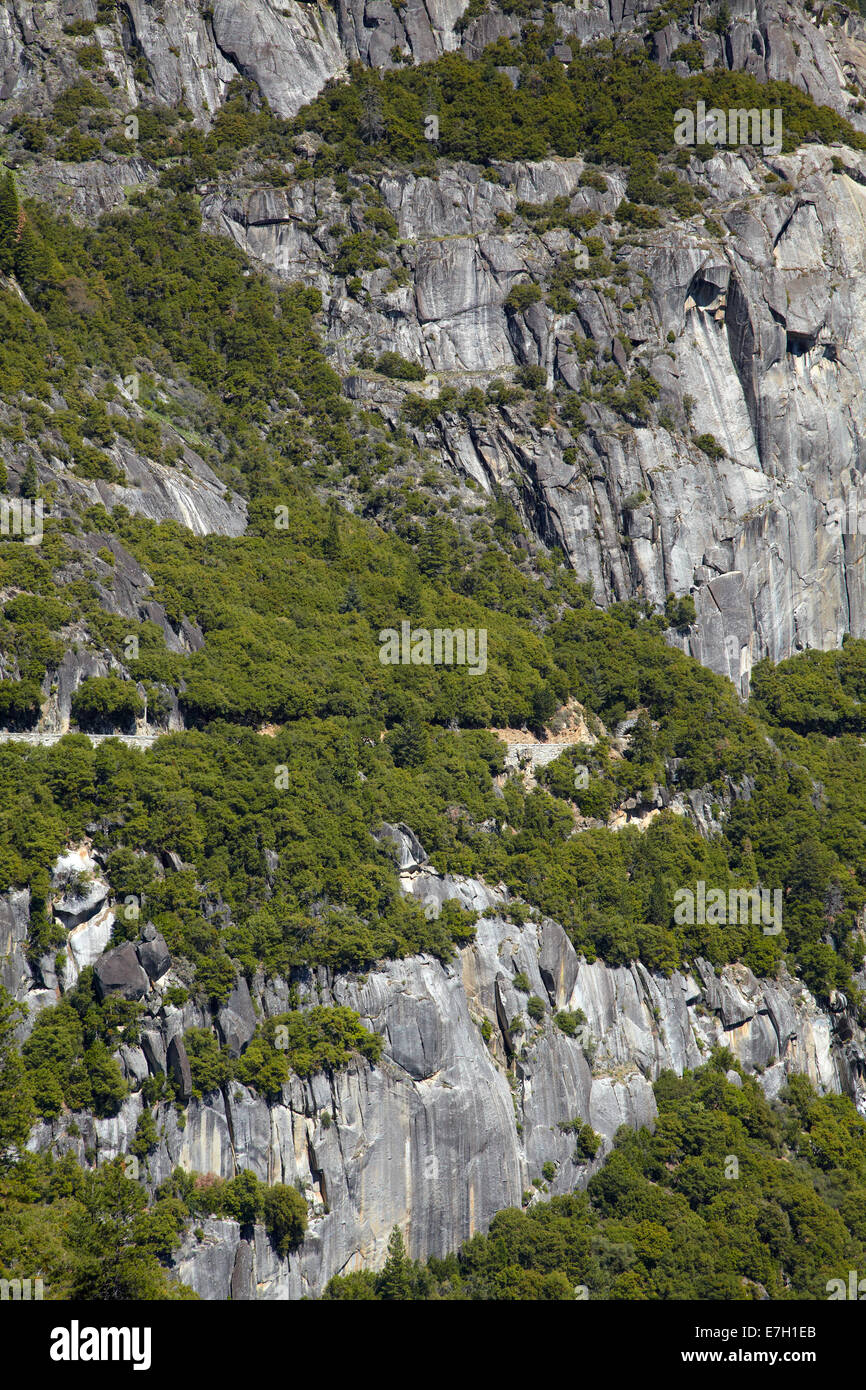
(736, 488)
(119, 973)
(471, 1097)
(765, 309)
(755, 338)
(187, 52)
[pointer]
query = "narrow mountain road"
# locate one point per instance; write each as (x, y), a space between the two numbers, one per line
(45, 740)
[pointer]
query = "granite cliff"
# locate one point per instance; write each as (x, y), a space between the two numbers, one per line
(463, 1111)
(751, 331)
(750, 324)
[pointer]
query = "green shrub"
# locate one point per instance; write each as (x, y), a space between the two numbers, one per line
(391, 364)
(568, 1021)
(209, 1064)
(533, 378)
(535, 1008)
(521, 296)
(106, 701)
(285, 1213)
(709, 445)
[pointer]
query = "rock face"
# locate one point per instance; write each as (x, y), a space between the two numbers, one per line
(153, 956)
(87, 190)
(766, 312)
(177, 1065)
(448, 1128)
(757, 338)
(236, 1020)
(16, 977)
(119, 973)
(753, 332)
(187, 52)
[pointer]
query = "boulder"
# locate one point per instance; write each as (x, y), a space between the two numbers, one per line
(154, 957)
(236, 1021)
(86, 942)
(79, 906)
(134, 1065)
(118, 972)
(153, 1047)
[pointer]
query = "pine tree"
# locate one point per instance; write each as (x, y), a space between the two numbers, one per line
(395, 1281)
(411, 595)
(659, 909)
(352, 601)
(30, 480)
(642, 739)
(9, 224)
(434, 557)
(331, 543)
(410, 745)
(27, 257)
(372, 124)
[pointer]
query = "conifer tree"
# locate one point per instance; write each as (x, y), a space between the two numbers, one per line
(411, 594)
(9, 224)
(410, 745)
(30, 480)
(331, 543)
(433, 550)
(395, 1281)
(659, 910)
(352, 601)
(27, 257)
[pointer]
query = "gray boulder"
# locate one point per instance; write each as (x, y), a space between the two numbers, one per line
(154, 956)
(74, 908)
(236, 1021)
(118, 972)
(153, 1047)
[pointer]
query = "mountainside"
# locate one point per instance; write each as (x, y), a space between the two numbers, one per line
(763, 306)
(326, 328)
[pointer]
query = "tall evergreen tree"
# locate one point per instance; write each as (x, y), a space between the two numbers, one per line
(395, 1281)
(659, 909)
(30, 480)
(411, 595)
(352, 601)
(642, 739)
(410, 744)
(27, 257)
(331, 543)
(372, 123)
(434, 556)
(9, 224)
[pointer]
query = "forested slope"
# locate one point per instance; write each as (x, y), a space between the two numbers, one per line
(280, 374)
